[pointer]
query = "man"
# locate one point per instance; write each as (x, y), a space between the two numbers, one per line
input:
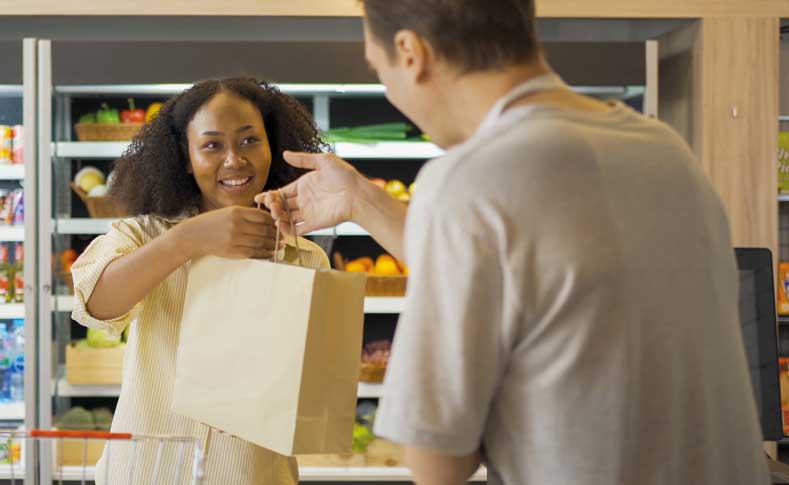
(571, 317)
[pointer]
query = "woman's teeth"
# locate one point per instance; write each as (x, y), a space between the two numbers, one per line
(235, 182)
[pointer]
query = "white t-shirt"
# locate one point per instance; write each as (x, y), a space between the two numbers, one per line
(572, 309)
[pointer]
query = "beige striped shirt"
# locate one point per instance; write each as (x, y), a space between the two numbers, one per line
(149, 371)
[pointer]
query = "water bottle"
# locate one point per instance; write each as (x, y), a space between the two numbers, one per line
(5, 363)
(16, 387)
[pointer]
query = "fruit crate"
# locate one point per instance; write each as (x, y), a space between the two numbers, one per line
(92, 366)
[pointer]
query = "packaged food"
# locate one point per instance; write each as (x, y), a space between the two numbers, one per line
(783, 161)
(783, 289)
(6, 143)
(5, 278)
(17, 145)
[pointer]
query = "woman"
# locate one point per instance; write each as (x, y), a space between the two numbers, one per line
(189, 178)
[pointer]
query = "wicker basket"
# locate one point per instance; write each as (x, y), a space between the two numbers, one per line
(99, 207)
(106, 131)
(373, 373)
(386, 285)
(377, 285)
(68, 279)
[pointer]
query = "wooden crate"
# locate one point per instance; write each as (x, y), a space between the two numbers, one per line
(89, 366)
(70, 452)
(380, 453)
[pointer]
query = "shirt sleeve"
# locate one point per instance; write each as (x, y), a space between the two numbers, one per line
(124, 237)
(447, 353)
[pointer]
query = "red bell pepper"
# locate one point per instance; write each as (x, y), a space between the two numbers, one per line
(132, 115)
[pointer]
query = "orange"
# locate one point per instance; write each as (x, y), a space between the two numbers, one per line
(386, 266)
(367, 262)
(355, 267)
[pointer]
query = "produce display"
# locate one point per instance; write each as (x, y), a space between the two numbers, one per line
(369, 133)
(396, 189)
(375, 358)
(363, 427)
(110, 124)
(384, 265)
(80, 419)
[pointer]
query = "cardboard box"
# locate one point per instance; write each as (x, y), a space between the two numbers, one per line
(89, 366)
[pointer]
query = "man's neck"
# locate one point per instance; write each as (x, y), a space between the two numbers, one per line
(471, 96)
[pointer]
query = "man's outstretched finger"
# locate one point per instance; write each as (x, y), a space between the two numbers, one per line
(309, 161)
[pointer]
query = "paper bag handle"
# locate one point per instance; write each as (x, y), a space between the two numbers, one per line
(292, 228)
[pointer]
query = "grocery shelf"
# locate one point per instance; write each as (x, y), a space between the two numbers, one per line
(90, 149)
(12, 310)
(12, 411)
(395, 150)
(12, 172)
(306, 474)
(19, 472)
(375, 304)
(173, 89)
(385, 150)
(65, 303)
(87, 226)
(64, 389)
(12, 233)
(11, 90)
(369, 391)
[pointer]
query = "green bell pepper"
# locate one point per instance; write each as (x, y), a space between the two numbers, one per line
(88, 118)
(107, 115)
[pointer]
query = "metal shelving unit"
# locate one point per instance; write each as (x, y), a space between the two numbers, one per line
(401, 150)
(10, 311)
(372, 305)
(306, 474)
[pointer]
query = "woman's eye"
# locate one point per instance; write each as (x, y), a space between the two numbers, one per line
(211, 145)
(250, 140)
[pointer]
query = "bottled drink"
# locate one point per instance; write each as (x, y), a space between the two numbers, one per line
(16, 381)
(5, 364)
(19, 273)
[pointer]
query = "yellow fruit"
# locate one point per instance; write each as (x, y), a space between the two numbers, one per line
(411, 188)
(395, 188)
(152, 111)
(406, 198)
(368, 263)
(355, 267)
(386, 266)
(90, 180)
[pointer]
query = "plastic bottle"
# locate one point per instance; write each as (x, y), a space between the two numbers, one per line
(5, 363)
(16, 386)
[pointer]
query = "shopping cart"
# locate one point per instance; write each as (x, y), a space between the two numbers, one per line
(171, 456)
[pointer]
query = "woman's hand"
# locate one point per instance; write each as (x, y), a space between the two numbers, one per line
(232, 232)
(319, 199)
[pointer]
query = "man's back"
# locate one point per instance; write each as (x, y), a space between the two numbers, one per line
(608, 289)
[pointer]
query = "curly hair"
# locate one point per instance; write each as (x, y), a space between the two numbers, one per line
(151, 176)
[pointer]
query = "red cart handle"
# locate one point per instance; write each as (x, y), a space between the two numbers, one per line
(103, 435)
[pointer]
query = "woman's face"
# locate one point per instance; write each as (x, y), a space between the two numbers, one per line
(229, 153)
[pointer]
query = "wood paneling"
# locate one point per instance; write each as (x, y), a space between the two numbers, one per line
(719, 88)
(342, 8)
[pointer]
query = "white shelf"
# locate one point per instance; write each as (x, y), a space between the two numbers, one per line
(12, 411)
(18, 475)
(783, 197)
(90, 149)
(85, 226)
(372, 305)
(12, 233)
(64, 389)
(173, 89)
(398, 150)
(11, 310)
(12, 172)
(370, 391)
(387, 150)
(306, 474)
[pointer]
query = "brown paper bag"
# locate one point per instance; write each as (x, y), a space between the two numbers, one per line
(269, 353)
